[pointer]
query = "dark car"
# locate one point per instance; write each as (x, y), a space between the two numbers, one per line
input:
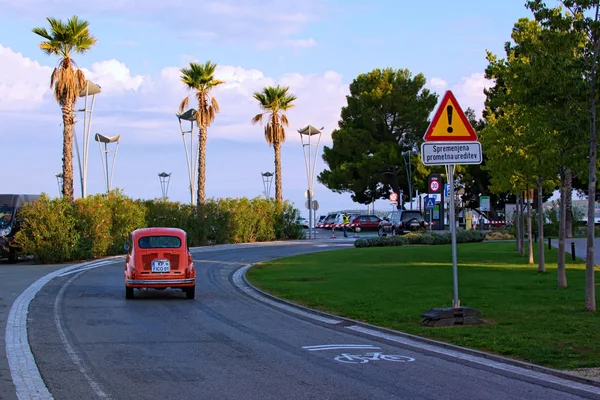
(9, 224)
(401, 221)
(366, 223)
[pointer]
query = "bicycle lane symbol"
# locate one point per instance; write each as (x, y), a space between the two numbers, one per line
(348, 358)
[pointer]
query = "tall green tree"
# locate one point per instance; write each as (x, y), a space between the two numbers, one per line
(64, 39)
(274, 102)
(383, 122)
(200, 78)
(582, 19)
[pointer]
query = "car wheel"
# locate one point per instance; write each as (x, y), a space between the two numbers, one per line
(357, 229)
(129, 293)
(380, 232)
(13, 257)
(393, 232)
(190, 292)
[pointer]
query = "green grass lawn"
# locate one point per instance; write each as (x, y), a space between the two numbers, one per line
(529, 317)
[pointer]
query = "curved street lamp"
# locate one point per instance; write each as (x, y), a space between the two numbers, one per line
(308, 134)
(106, 140)
(91, 89)
(59, 180)
(192, 162)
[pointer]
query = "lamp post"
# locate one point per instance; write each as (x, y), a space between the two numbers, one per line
(59, 180)
(267, 178)
(310, 150)
(192, 162)
(164, 184)
(91, 89)
(406, 156)
(106, 140)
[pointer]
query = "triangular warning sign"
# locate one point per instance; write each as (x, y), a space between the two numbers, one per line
(450, 123)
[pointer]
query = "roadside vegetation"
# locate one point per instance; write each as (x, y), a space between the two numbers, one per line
(528, 317)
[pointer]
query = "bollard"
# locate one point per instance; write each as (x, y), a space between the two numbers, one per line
(573, 251)
(549, 242)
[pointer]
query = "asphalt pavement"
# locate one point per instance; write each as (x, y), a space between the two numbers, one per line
(230, 342)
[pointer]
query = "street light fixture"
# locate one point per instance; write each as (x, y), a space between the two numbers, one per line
(190, 116)
(59, 180)
(164, 184)
(267, 178)
(106, 140)
(310, 150)
(91, 89)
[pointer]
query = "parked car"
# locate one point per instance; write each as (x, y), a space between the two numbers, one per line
(303, 222)
(159, 258)
(335, 218)
(401, 221)
(9, 223)
(366, 223)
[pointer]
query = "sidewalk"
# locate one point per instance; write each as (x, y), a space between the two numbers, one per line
(580, 248)
(14, 279)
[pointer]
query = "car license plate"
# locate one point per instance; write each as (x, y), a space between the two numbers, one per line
(161, 266)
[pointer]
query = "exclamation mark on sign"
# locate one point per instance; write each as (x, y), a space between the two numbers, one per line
(449, 111)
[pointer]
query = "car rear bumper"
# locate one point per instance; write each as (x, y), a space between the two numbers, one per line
(160, 282)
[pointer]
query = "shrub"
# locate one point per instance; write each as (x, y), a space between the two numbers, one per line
(93, 222)
(424, 238)
(48, 230)
(126, 215)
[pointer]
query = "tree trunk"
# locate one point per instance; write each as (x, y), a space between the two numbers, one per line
(278, 185)
(569, 203)
(517, 226)
(522, 224)
(68, 120)
(590, 286)
(562, 276)
(530, 228)
(200, 198)
(541, 217)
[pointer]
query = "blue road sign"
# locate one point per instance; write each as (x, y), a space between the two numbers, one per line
(447, 190)
(429, 203)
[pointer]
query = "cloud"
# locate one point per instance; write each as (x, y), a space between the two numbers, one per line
(23, 82)
(468, 90)
(142, 108)
(227, 21)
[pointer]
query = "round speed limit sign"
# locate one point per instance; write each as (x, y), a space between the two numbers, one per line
(434, 186)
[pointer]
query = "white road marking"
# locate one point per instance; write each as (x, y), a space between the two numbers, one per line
(96, 265)
(340, 346)
(238, 280)
(23, 369)
(478, 360)
(70, 350)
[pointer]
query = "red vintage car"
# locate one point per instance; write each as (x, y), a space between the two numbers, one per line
(159, 258)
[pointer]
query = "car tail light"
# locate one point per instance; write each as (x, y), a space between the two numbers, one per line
(189, 271)
(132, 273)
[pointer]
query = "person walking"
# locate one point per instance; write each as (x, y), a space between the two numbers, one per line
(346, 221)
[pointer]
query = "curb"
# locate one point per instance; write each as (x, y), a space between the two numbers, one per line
(493, 357)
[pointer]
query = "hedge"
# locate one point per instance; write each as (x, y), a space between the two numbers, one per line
(421, 238)
(57, 230)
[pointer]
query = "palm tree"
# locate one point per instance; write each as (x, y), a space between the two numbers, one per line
(201, 78)
(67, 80)
(274, 101)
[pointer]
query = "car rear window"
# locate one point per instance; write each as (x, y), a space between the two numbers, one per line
(407, 215)
(157, 242)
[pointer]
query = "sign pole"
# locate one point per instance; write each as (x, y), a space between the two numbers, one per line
(456, 302)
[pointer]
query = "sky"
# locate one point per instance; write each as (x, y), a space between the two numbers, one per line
(316, 47)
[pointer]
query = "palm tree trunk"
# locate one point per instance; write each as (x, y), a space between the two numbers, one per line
(562, 276)
(200, 198)
(68, 121)
(541, 258)
(278, 185)
(569, 203)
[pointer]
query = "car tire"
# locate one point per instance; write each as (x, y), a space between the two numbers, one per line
(380, 232)
(357, 229)
(393, 232)
(190, 292)
(129, 293)
(13, 256)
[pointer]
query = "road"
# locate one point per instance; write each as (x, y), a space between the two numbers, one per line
(231, 343)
